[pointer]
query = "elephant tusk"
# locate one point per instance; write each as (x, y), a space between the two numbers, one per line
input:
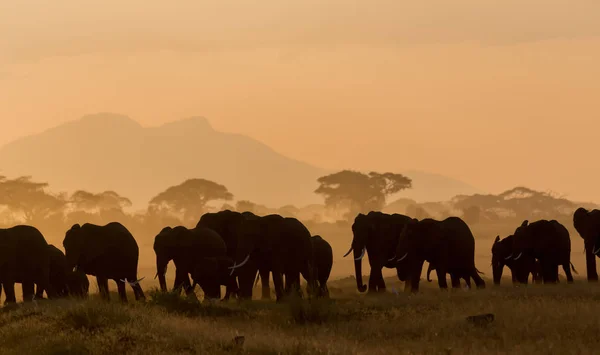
(155, 276)
(508, 257)
(232, 269)
(393, 258)
(519, 256)
(404, 257)
(596, 251)
(361, 255)
(345, 255)
(134, 282)
(236, 265)
(244, 262)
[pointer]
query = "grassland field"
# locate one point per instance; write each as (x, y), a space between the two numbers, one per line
(536, 319)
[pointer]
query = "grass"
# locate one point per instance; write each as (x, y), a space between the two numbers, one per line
(538, 319)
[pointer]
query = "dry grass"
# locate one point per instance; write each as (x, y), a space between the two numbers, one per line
(561, 319)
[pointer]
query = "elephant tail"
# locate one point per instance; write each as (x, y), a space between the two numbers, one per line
(429, 268)
(573, 268)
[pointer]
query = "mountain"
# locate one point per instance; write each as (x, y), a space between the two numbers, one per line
(107, 151)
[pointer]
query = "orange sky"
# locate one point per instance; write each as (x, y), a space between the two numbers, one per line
(496, 95)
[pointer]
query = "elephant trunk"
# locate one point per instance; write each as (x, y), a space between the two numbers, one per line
(497, 270)
(590, 259)
(161, 271)
(358, 268)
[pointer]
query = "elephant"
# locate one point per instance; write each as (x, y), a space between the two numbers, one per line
(64, 281)
(547, 241)
(78, 285)
(24, 258)
(323, 262)
(211, 273)
(587, 224)
(188, 249)
(431, 267)
(502, 256)
(448, 244)
(228, 224)
(281, 245)
(106, 252)
(377, 234)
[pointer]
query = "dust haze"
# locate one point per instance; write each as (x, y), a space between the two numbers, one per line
(153, 115)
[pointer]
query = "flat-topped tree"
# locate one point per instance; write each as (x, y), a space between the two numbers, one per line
(189, 199)
(360, 192)
(95, 202)
(30, 200)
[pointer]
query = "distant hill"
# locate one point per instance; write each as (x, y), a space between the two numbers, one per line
(109, 151)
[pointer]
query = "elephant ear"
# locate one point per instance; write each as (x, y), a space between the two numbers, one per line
(497, 239)
(97, 240)
(580, 219)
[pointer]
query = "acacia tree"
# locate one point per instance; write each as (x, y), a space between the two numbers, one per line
(104, 201)
(360, 192)
(30, 201)
(97, 207)
(189, 199)
(519, 202)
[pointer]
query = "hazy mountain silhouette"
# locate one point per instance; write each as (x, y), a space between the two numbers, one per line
(109, 151)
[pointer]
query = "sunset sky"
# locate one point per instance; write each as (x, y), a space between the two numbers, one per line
(496, 94)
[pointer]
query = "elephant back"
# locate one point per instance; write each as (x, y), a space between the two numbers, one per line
(109, 250)
(227, 224)
(24, 251)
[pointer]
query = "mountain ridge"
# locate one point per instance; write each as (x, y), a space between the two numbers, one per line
(108, 151)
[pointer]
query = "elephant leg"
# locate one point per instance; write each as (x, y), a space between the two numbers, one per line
(547, 272)
(9, 290)
(28, 288)
(264, 282)
(122, 290)
(323, 290)
(295, 283)
(455, 280)
(278, 284)
(567, 270)
(590, 260)
(479, 283)
(414, 277)
(375, 279)
(440, 270)
(103, 287)
(138, 292)
(468, 281)
(39, 292)
(381, 284)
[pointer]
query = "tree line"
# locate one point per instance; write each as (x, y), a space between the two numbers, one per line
(346, 193)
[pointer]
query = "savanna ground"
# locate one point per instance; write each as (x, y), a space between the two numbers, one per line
(537, 319)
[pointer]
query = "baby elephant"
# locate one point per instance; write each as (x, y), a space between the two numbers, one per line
(323, 261)
(78, 284)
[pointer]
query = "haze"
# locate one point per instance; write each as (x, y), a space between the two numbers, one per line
(496, 94)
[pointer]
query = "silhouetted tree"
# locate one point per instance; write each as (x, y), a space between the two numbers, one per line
(30, 200)
(245, 206)
(360, 192)
(519, 202)
(472, 214)
(189, 199)
(91, 202)
(418, 212)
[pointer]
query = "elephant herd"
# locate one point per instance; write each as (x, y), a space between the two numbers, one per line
(235, 250)
(537, 249)
(226, 248)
